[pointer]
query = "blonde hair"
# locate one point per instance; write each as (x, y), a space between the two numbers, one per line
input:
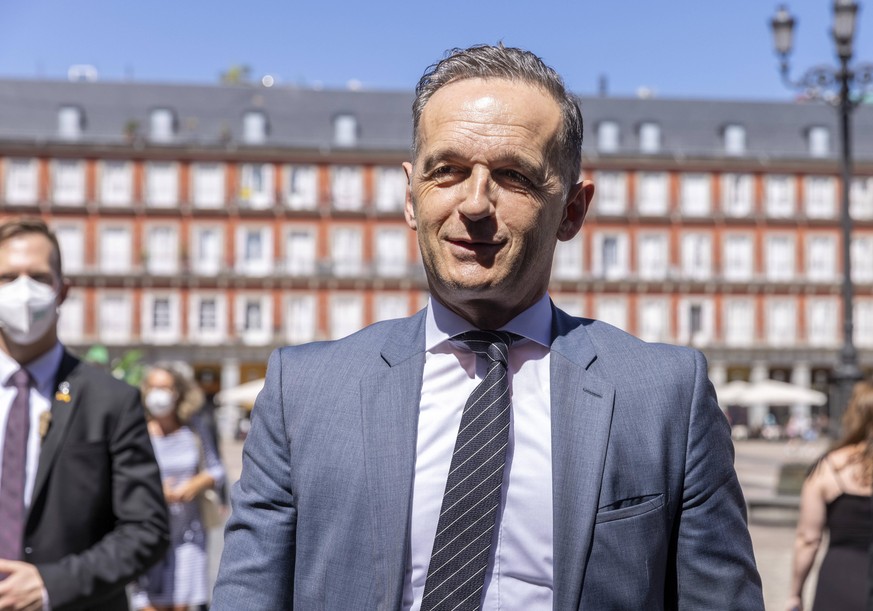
(189, 396)
(858, 427)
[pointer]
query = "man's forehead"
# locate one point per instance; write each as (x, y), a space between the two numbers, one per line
(34, 247)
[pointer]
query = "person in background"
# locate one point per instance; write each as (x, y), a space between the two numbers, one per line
(836, 497)
(189, 466)
(81, 509)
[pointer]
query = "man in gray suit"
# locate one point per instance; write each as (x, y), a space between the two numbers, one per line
(587, 469)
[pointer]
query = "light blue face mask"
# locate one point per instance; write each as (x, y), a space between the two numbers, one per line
(28, 309)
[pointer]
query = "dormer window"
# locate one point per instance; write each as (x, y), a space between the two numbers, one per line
(734, 139)
(71, 121)
(607, 137)
(162, 125)
(818, 141)
(254, 127)
(345, 130)
(650, 137)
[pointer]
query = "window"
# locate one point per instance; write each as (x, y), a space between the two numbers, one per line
(652, 193)
(862, 258)
(300, 251)
(612, 193)
(347, 187)
(779, 257)
(779, 193)
(72, 243)
(300, 318)
(861, 198)
(115, 249)
(207, 318)
(863, 319)
(21, 181)
(208, 184)
(610, 256)
(820, 197)
(116, 183)
(346, 251)
(254, 318)
(391, 251)
(254, 250)
(68, 182)
(570, 304)
(390, 305)
(302, 187)
(781, 320)
(162, 184)
(695, 194)
(612, 310)
(654, 320)
(71, 120)
(160, 323)
(114, 318)
(818, 141)
(696, 321)
(345, 130)
(821, 321)
(254, 127)
(71, 324)
(821, 252)
(650, 138)
(206, 253)
(652, 256)
(738, 257)
(696, 256)
(256, 185)
(161, 125)
(346, 314)
(162, 250)
(568, 259)
(736, 194)
(734, 139)
(607, 137)
(390, 189)
(739, 322)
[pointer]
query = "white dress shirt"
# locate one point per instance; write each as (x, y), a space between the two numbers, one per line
(519, 574)
(42, 374)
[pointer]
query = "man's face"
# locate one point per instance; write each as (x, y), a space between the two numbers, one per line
(28, 254)
(486, 199)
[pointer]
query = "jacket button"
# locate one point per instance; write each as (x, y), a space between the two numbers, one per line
(28, 550)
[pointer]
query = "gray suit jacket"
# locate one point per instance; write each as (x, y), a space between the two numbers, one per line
(648, 513)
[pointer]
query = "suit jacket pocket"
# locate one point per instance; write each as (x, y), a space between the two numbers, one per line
(630, 508)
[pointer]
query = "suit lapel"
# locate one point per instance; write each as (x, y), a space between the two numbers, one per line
(64, 403)
(389, 409)
(581, 406)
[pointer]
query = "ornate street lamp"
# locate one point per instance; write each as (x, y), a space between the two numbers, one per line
(816, 82)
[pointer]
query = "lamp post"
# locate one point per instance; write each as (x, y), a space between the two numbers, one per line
(817, 82)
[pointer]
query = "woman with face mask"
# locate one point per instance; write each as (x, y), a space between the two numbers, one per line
(189, 466)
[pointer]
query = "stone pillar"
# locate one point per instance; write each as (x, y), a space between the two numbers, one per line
(758, 412)
(227, 417)
(801, 413)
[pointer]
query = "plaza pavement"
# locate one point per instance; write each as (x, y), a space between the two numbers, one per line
(757, 464)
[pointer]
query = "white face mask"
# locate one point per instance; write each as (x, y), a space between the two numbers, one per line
(160, 402)
(28, 309)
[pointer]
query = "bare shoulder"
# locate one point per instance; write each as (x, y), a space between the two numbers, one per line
(843, 457)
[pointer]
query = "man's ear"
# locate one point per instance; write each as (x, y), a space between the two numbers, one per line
(63, 290)
(575, 209)
(409, 208)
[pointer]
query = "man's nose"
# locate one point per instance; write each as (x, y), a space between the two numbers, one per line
(479, 196)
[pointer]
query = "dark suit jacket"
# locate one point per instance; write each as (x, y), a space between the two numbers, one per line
(97, 517)
(647, 510)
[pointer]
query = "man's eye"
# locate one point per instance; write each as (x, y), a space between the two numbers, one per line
(44, 279)
(517, 177)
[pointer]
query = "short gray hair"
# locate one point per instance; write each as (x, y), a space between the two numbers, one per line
(510, 63)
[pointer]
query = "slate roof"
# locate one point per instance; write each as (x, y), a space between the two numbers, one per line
(302, 118)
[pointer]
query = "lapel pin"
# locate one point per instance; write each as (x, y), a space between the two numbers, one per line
(63, 393)
(45, 421)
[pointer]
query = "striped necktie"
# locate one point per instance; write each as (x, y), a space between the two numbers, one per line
(14, 469)
(462, 545)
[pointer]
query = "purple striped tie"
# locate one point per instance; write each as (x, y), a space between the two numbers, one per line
(14, 468)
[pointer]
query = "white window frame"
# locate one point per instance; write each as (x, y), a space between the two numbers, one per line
(738, 263)
(608, 137)
(111, 317)
(653, 255)
(301, 306)
(696, 194)
(205, 267)
(653, 193)
(116, 182)
(390, 188)
(254, 336)
(861, 198)
(301, 186)
(162, 125)
(257, 185)
(612, 193)
(255, 127)
(204, 191)
(862, 258)
(387, 306)
(822, 314)
(613, 310)
(162, 259)
(820, 195)
(68, 182)
(706, 333)
(780, 321)
(567, 264)
(111, 261)
(654, 319)
(261, 266)
(739, 322)
(818, 141)
(780, 256)
(343, 320)
(650, 137)
(780, 196)
(734, 139)
(150, 333)
(201, 335)
(162, 184)
(391, 248)
(697, 256)
(821, 257)
(301, 258)
(71, 322)
(21, 180)
(737, 194)
(71, 240)
(603, 269)
(347, 187)
(347, 251)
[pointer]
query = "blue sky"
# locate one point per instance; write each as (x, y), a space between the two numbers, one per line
(677, 48)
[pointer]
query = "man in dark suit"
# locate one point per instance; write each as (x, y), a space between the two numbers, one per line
(587, 469)
(82, 511)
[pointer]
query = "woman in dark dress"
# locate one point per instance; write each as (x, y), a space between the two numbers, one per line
(837, 497)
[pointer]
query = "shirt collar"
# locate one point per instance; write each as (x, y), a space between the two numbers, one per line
(42, 369)
(534, 323)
